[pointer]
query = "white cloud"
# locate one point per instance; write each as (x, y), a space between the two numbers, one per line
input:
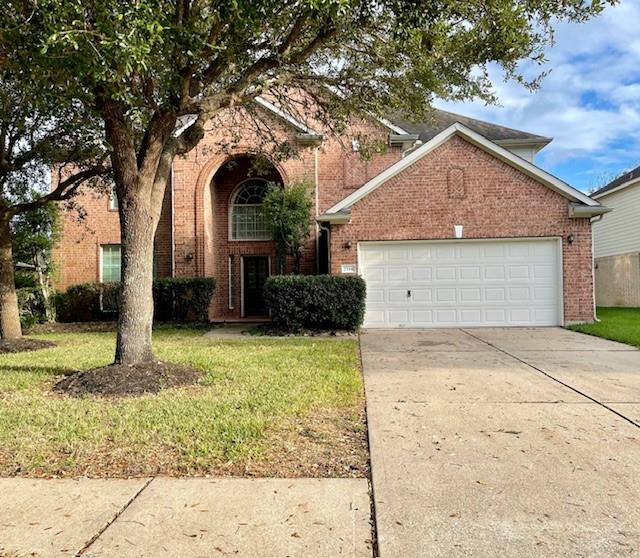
(590, 101)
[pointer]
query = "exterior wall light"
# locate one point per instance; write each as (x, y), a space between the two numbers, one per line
(348, 244)
(571, 238)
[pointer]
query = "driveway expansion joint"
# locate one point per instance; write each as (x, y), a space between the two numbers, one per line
(569, 386)
(108, 524)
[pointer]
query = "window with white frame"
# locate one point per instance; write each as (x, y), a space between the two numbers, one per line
(247, 218)
(111, 263)
(113, 200)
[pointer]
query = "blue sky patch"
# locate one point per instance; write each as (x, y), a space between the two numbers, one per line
(589, 103)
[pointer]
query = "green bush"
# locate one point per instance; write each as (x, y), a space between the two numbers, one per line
(25, 279)
(175, 300)
(316, 301)
(32, 306)
(183, 299)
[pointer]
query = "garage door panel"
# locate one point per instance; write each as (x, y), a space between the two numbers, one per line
(421, 273)
(447, 273)
(421, 295)
(492, 272)
(470, 273)
(397, 274)
(461, 283)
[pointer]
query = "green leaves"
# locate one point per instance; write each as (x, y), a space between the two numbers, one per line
(288, 214)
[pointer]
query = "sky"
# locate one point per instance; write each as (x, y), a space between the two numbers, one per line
(589, 103)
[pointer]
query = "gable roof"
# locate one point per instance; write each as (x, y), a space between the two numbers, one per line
(627, 179)
(342, 207)
(442, 119)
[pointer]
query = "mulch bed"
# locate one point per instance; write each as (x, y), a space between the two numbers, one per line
(23, 345)
(120, 380)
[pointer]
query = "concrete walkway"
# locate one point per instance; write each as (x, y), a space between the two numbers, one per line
(503, 442)
(185, 518)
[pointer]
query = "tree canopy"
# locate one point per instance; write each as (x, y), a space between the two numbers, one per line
(143, 66)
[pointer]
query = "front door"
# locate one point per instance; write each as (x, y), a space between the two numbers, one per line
(255, 273)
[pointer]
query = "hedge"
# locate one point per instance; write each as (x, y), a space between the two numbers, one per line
(175, 300)
(316, 301)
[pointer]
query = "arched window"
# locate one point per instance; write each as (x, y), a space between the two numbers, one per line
(247, 219)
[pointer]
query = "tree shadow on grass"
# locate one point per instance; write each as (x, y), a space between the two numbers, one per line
(37, 370)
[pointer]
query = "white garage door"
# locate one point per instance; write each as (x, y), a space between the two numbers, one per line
(462, 283)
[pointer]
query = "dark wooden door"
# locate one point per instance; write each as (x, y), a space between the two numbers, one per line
(256, 271)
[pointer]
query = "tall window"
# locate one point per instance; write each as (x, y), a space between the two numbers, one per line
(113, 199)
(247, 219)
(111, 263)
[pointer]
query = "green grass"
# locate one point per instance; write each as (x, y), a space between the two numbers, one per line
(249, 388)
(617, 324)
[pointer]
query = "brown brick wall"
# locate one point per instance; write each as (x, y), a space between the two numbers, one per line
(90, 223)
(426, 200)
(455, 184)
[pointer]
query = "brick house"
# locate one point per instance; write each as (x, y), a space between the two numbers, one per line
(452, 225)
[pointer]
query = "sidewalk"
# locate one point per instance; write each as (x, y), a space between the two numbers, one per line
(168, 517)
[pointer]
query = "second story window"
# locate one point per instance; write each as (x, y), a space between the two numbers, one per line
(113, 200)
(247, 219)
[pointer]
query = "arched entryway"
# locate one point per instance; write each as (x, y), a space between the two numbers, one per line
(239, 252)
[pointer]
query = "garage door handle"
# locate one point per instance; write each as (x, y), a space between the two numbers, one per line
(408, 294)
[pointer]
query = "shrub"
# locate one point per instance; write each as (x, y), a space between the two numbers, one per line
(183, 299)
(316, 301)
(32, 306)
(176, 300)
(25, 279)
(80, 303)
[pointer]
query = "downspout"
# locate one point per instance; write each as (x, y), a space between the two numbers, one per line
(315, 179)
(415, 145)
(593, 266)
(173, 225)
(328, 229)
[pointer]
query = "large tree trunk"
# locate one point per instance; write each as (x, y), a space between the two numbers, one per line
(141, 175)
(135, 320)
(9, 313)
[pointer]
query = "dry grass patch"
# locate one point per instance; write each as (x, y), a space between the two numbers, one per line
(284, 407)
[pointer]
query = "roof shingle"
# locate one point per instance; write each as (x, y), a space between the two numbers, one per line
(442, 119)
(626, 177)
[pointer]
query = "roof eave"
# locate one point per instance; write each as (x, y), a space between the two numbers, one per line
(538, 142)
(501, 153)
(580, 210)
(403, 139)
(631, 182)
(341, 218)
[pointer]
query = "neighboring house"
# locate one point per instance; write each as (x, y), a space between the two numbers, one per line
(616, 241)
(452, 226)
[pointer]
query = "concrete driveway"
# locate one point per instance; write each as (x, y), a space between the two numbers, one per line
(503, 442)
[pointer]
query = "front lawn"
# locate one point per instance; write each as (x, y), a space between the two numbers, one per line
(617, 324)
(284, 407)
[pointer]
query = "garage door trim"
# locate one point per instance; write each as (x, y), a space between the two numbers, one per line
(559, 283)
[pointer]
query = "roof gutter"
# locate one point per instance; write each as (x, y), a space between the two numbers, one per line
(403, 139)
(334, 218)
(580, 211)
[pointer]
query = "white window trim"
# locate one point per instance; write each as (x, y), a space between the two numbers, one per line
(101, 260)
(113, 200)
(232, 203)
(230, 264)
